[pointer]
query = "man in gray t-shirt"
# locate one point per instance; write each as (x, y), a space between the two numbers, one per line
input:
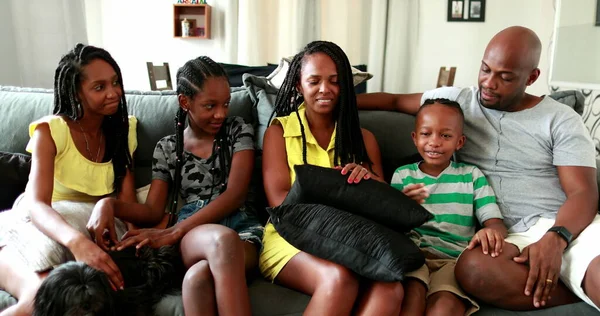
(540, 161)
(519, 151)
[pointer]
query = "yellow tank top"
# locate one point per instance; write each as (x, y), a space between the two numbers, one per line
(315, 154)
(75, 177)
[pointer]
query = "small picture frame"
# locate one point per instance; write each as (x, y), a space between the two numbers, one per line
(598, 13)
(456, 10)
(477, 11)
(466, 10)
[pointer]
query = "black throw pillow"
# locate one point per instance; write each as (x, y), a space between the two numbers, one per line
(363, 246)
(14, 173)
(371, 199)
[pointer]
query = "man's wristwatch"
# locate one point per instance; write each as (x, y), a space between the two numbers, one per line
(563, 233)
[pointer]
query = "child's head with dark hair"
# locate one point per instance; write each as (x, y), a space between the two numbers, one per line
(203, 94)
(88, 79)
(320, 76)
(438, 133)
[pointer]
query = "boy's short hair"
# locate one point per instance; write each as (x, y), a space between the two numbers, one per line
(446, 102)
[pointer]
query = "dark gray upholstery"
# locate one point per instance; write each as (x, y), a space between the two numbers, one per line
(155, 112)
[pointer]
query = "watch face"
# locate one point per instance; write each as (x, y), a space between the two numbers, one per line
(566, 233)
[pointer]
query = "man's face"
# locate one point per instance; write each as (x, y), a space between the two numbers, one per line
(502, 81)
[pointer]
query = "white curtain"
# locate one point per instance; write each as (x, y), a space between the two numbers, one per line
(35, 35)
(379, 33)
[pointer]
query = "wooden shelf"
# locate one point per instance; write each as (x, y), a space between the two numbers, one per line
(197, 14)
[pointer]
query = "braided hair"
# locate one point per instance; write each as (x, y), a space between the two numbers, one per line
(446, 102)
(349, 143)
(190, 80)
(67, 83)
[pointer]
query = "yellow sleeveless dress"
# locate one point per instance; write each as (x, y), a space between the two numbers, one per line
(76, 178)
(277, 252)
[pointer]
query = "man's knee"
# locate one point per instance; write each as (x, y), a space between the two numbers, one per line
(471, 270)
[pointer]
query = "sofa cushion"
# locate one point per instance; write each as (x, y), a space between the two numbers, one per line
(21, 106)
(266, 299)
(363, 246)
(392, 131)
(263, 96)
(371, 199)
(235, 72)
(14, 172)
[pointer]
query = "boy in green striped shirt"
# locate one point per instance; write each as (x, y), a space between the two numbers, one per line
(460, 197)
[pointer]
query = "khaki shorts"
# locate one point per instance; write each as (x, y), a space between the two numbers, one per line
(576, 258)
(438, 275)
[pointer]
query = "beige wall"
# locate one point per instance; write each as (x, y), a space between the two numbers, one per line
(137, 32)
(440, 43)
(461, 44)
(577, 55)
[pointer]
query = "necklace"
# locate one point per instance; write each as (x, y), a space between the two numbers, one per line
(87, 144)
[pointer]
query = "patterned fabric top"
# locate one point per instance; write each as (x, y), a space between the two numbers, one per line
(458, 197)
(76, 178)
(197, 173)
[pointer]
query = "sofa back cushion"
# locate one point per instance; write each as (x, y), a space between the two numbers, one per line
(155, 111)
(21, 106)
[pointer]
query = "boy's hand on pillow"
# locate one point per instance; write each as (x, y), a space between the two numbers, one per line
(357, 172)
(417, 192)
(491, 237)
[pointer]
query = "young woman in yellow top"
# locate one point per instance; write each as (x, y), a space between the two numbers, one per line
(81, 153)
(317, 123)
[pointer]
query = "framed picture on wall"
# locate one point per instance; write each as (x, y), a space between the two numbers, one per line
(466, 10)
(598, 13)
(477, 10)
(456, 10)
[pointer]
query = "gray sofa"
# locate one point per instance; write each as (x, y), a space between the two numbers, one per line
(155, 112)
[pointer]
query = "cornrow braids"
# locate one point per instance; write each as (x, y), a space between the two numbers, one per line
(449, 103)
(349, 143)
(190, 80)
(67, 83)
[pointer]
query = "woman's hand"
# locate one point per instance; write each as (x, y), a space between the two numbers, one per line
(84, 250)
(152, 237)
(101, 224)
(417, 192)
(357, 172)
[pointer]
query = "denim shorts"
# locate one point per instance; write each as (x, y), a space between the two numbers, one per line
(243, 221)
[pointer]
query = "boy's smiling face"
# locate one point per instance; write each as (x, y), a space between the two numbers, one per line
(438, 134)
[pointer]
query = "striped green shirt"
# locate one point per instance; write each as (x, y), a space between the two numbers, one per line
(458, 197)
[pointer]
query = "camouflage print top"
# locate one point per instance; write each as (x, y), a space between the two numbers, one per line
(197, 173)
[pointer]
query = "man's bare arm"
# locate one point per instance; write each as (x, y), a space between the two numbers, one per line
(580, 186)
(405, 103)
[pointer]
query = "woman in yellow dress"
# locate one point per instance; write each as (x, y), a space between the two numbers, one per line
(317, 123)
(79, 155)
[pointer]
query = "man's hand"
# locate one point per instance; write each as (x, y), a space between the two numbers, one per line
(544, 258)
(152, 237)
(101, 224)
(491, 240)
(417, 192)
